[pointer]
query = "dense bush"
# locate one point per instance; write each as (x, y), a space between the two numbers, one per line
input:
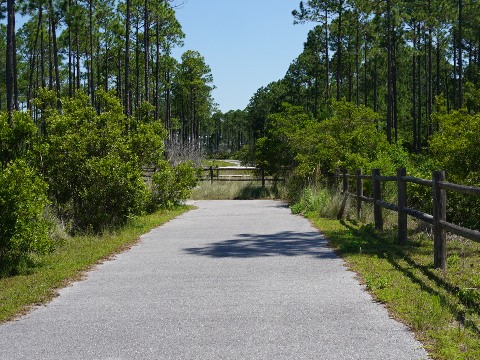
(455, 149)
(171, 185)
(95, 181)
(93, 160)
(17, 138)
(88, 163)
(113, 191)
(347, 139)
(23, 230)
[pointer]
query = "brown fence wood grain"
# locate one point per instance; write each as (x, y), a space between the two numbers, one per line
(439, 200)
(214, 174)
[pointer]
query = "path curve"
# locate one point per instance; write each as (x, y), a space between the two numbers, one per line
(229, 280)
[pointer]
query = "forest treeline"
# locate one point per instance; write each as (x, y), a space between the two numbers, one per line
(91, 101)
(381, 84)
(411, 62)
(73, 46)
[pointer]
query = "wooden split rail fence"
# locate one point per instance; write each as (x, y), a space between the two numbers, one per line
(439, 200)
(247, 173)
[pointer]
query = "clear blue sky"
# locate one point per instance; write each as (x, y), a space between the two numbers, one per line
(246, 43)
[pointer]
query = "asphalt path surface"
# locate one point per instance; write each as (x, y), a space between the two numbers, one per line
(229, 280)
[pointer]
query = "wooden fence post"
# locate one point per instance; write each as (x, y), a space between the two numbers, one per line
(211, 174)
(377, 195)
(262, 172)
(402, 204)
(218, 172)
(439, 213)
(345, 195)
(358, 174)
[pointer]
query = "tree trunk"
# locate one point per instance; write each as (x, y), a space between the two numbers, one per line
(33, 59)
(137, 68)
(91, 80)
(455, 97)
(42, 59)
(50, 52)
(55, 52)
(375, 84)
(119, 74)
(78, 60)
(394, 89)
(157, 70)
(389, 74)
(430, 77)
(419, 97)
(414, 92)
(357, 61)
(146, 40)
(70, 75)
(438, 76)
(365, 88)
(339, 48)
(10, 61)
(460, 53)
(168, 103)
(127, 96)
(327, 59)
(107, 64)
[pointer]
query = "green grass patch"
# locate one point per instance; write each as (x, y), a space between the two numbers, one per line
(38, 283)
(234, 190)
(216, 163)
(442, 308)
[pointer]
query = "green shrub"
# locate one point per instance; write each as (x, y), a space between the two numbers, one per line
(172, 185)
(93, 162)
(23, 230)
(16, 139)
(113, 191)
(455, 150)
(315, 200)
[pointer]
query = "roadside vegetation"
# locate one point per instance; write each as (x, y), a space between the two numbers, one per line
(116, 137)
(441, 307)
(235, 190)
(215, 163)
(80, 172)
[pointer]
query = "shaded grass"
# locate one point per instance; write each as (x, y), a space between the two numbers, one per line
(235, 190)
(218, 163)
(442, 308)
(38, 284)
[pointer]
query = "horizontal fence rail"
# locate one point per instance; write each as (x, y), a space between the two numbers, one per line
(438, 186)
(253, 174)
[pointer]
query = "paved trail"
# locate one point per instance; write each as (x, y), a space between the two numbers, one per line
(230, 280)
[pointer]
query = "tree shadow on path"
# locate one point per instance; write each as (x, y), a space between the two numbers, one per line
(286, 243)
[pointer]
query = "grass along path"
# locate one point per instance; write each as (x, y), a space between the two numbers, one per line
(38, 285)
(442, 308)
(216, 163)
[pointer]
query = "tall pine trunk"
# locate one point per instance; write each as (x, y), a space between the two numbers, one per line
(156, 98)
(33, 59)
(327, 59)
(53, 31)
(460, 53)
(10, 60)
(127, 93)
(389, 73)
(414, 91)
(91, 79)
(339, 48)
(137, 68)
(146, 39)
